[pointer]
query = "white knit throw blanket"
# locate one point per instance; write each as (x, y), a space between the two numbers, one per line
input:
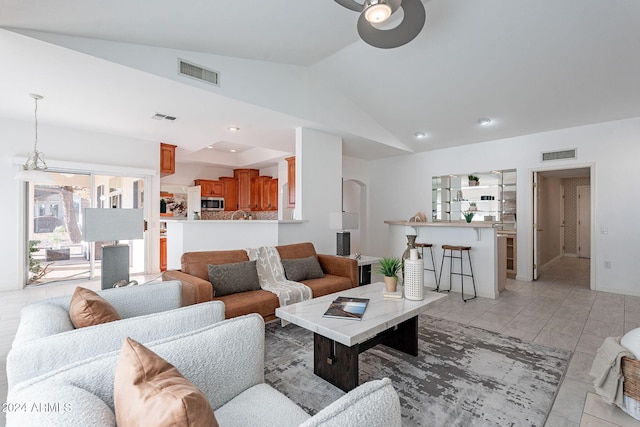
(272, 278)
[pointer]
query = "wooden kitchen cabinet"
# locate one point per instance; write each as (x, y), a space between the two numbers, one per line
(163, 254)
(512, 257)
(167, 159)
(258, 195)
(210, 188)
(230, 193)
(271, 191)
(244, 177)
(291, 179)
(264, 193)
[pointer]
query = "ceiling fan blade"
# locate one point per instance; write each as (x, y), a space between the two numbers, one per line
(350, 4)
(407, 30)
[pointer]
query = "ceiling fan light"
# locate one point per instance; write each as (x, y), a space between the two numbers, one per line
(376, 11)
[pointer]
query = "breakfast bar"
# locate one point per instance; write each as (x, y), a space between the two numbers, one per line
(207, 235)
(480, 236)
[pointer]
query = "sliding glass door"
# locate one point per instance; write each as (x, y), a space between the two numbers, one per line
(55, 250)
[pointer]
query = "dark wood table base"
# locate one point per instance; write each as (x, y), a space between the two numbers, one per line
(338, 363)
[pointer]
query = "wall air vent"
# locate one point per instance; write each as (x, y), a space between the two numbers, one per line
(197, 72)
(559, 155)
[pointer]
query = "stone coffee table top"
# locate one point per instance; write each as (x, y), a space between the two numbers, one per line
(380, 315)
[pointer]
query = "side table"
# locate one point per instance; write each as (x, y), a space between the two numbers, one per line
(364, 267)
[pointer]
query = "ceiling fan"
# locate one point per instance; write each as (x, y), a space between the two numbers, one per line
(378, 11)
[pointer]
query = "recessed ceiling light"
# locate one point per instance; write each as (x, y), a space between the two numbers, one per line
(233, 128)
(209, 146)
(233, 151)
(420, 135)
(484, 122)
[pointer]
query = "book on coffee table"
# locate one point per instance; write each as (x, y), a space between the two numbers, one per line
(347, 308)
(392, 295)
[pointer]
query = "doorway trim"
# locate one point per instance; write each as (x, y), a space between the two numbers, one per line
(530, 258)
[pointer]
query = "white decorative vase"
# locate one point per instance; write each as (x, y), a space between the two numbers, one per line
(414, 277)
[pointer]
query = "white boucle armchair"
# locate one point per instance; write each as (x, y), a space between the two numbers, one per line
(46, 339)
(225, 361)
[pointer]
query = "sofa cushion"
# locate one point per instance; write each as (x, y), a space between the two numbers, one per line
(372, 404)
(328, 285)
(233, 278)
(262, 302)
(296, 250)
(196, 263)
(149, 391)
(58, 404)
(87, 308)
(261, 406)
(299, 269)
(631, 341)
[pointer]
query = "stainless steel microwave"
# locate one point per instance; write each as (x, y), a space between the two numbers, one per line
(212, 204)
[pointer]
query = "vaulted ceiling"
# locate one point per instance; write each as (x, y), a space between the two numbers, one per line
(528, 66)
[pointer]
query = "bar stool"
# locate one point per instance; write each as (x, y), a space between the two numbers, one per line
(433, 263)
(451, 249)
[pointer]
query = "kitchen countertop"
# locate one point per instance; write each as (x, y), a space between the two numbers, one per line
(241, 221)
(474, 224)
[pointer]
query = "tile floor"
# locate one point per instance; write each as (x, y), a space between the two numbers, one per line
(557, 310)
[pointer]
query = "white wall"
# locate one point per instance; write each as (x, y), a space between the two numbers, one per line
(401, 186)
(318, 182)
(355, 173)
(186, 173)
(59, 144)
(285, 88)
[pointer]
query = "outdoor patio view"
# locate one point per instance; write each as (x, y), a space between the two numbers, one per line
(56, 251)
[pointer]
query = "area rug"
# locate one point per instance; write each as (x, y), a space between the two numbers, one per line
(463, 376)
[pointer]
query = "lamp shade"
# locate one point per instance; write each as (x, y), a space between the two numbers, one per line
(343, 220)
(112, 224)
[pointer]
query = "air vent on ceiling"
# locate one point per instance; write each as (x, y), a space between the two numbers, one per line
(559, 155)
(197, 72)
(159, 116)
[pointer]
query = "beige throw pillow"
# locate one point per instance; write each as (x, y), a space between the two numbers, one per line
(149, 391)
(87, 308)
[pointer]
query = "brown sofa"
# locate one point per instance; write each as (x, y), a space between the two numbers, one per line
(339, 274)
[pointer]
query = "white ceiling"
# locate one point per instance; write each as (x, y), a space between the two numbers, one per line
(529, 66)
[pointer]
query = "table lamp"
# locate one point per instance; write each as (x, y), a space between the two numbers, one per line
(343, 221)
(112, 225)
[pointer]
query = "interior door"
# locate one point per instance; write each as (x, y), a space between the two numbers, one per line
(584, 221)
(562, 220)
(536, 237)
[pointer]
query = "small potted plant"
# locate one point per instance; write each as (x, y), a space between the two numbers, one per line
(472, 207)
(468, 216)
(473, 181)
(389, 267)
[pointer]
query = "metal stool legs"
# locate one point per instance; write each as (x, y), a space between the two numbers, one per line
(433, 263)
(462, 275)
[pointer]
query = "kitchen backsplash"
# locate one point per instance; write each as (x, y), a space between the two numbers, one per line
(222, 215)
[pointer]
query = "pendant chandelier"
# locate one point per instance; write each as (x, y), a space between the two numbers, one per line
(33, 169)
(36, 159)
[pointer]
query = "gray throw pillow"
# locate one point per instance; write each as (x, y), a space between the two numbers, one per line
(299, 269)
(233, 278)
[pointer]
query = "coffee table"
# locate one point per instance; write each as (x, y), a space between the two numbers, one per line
(338, 342)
